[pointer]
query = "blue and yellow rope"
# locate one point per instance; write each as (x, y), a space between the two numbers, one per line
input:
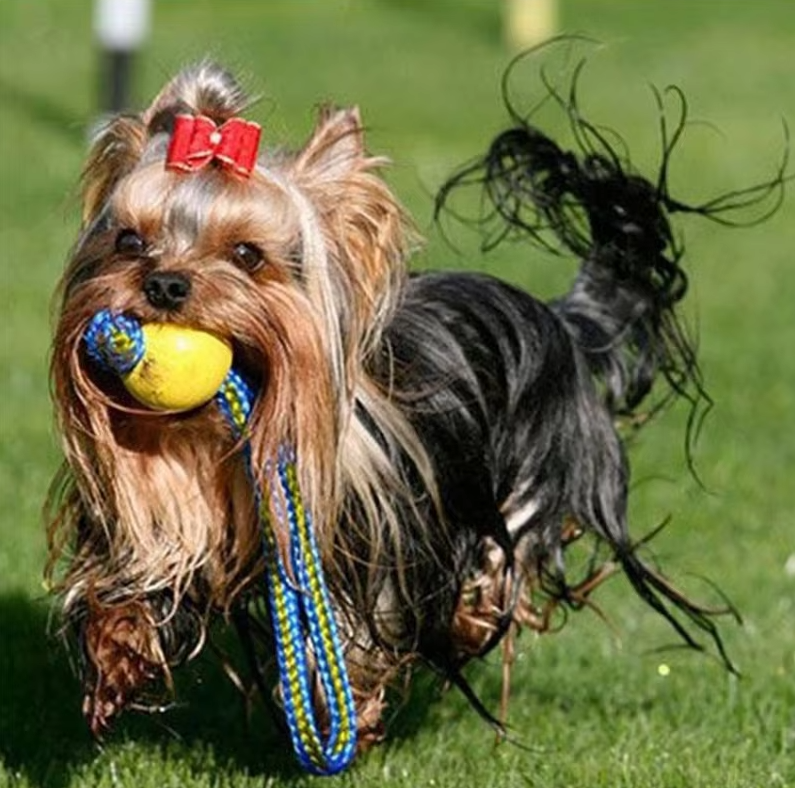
(300, 606)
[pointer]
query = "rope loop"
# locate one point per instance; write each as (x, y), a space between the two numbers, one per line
(308, 645)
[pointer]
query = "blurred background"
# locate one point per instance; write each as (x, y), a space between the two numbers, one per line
(597, 704)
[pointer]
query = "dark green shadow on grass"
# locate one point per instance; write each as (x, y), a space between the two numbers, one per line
(42, 111)
(41, 729)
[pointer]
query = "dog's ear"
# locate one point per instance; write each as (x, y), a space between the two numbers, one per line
(367, 231)
(335, 149)
(117, 147)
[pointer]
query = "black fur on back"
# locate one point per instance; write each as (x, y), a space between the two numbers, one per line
(509, 409)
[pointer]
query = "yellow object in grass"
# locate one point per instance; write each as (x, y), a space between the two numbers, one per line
(182, 368)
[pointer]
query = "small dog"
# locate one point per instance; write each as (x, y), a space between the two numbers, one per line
(453, 435)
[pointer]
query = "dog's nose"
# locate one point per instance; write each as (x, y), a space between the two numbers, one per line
(166, 289)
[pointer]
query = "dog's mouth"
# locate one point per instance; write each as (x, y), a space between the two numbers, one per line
(161, 368)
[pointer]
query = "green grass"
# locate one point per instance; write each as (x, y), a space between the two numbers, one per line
(589, 704)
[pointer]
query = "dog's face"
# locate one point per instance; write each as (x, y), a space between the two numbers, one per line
(205, 250)
(199, 250)
(294, 265)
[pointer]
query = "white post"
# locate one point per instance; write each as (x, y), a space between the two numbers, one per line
(529, 22)
(121, 27)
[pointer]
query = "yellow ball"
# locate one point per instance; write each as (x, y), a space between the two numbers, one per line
(181, 369)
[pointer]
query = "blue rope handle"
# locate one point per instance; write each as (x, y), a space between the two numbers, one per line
(301, 610)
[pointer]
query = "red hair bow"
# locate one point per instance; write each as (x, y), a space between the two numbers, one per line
(198, 140)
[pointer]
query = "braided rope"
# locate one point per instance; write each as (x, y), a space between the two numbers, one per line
(114, 342)
(300, 606)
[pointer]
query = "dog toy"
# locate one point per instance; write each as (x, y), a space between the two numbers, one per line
(164, 366)
(299, 602)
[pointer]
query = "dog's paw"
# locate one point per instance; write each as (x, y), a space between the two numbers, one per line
(123, 649)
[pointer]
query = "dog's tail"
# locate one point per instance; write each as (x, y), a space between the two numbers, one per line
(592, 203)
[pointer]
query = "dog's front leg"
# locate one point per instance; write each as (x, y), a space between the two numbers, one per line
(124, 658)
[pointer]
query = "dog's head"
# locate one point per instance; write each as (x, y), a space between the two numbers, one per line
(295, 263)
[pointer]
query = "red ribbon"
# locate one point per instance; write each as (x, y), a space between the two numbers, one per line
(197, 140)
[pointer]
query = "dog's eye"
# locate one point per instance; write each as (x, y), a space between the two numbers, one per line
(248, 256)
(129, 243)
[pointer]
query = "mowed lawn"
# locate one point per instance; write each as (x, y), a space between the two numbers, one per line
(594, 705)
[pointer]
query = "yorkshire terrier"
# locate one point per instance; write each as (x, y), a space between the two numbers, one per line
(451, 435)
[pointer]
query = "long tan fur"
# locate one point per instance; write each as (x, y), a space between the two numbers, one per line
(150, 502)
